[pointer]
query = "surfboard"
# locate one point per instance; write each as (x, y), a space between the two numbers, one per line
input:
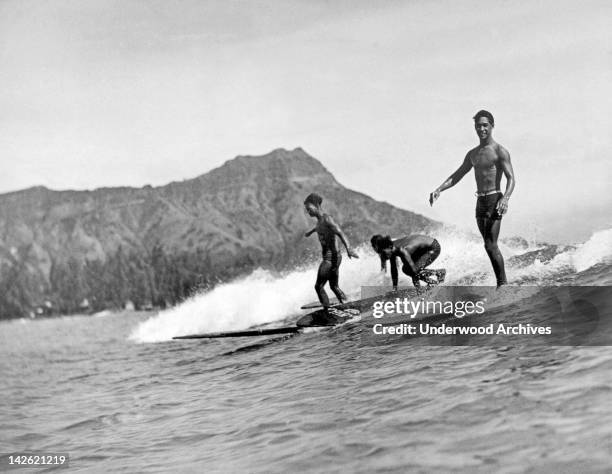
(316, 319)
(333, 317)
(249, 333)
(340, 314)
(349, 304)
(317, 304)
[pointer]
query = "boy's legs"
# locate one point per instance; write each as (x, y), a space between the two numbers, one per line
(322, 277)
(334, 276)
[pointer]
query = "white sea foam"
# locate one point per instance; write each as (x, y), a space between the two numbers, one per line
(261, 297)
(597, 249)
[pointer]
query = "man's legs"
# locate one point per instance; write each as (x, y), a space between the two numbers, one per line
(489, 229)
(423, 261)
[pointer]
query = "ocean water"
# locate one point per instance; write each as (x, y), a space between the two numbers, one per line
(119, 395)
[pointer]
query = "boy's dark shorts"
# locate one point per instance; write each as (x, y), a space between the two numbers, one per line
(486, 206)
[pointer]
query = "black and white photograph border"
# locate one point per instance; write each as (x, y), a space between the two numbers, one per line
(305, 236)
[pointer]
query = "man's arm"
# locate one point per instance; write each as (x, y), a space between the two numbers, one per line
(452, 179)
(506, 166)
(383, 264)
(394, 271)
(310, 232)
(338, 231)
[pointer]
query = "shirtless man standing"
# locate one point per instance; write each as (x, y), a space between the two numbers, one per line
(489, 160)
(327, 229)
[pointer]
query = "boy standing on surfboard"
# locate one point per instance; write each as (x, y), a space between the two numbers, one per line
(416, 253)
(327, 229)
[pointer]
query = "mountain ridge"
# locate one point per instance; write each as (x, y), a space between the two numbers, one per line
(245, 213)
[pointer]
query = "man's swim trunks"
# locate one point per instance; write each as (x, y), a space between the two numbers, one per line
(486, 206)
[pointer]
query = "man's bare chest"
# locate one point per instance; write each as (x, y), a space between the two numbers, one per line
(485, 158)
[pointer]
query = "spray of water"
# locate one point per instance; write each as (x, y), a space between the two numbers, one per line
(598, 249)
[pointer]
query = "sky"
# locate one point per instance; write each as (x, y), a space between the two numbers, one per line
(133, 92)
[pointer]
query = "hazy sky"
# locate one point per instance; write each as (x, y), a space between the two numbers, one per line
(109, 93)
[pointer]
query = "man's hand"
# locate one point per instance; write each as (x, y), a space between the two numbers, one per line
(351, 253)
(433, 197)
(502, 206)
(309, 233)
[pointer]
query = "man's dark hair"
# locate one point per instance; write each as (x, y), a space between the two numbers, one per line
(313, 198)
(379, 242)
(486, 114)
